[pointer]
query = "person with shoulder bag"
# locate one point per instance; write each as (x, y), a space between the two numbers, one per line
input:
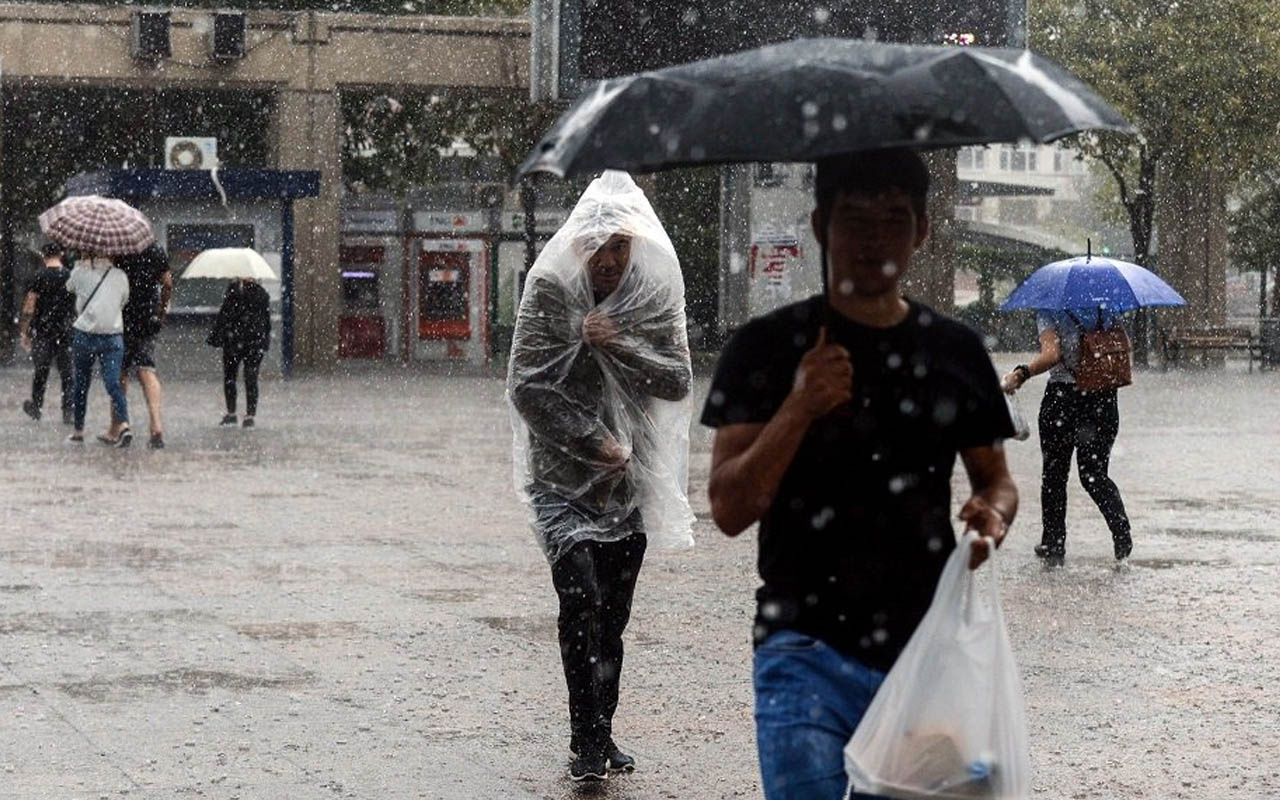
(1087, 355)
(101, 292)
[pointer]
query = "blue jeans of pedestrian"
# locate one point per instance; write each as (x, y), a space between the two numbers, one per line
(809, 699)
(108, 351)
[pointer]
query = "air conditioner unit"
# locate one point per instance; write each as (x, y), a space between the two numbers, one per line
(149, 36)
(227, 37)
(190, 152)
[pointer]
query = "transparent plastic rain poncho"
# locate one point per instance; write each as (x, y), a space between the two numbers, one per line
(573, 400)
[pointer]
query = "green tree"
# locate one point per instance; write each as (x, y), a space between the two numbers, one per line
(394, 142)
(1255, 232)
(1189, 75)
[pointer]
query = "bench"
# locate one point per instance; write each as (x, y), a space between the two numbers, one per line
(1179, 341)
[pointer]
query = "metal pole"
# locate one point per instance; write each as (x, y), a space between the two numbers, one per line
(286, 289)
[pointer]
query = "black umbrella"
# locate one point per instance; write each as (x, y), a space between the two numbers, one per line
(809, 98)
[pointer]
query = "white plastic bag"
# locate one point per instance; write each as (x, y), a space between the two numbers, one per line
(1021, 430)
(949, 719)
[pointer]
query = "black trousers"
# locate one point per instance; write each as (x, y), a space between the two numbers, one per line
(595, 581)
(1086, 423)
(47, 351)
(232, 358)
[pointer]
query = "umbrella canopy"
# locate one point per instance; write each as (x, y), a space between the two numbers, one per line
(810, 98)
(1092, 282)
(229, 263)
(100, 225)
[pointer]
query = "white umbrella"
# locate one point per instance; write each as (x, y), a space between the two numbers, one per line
(229, 263)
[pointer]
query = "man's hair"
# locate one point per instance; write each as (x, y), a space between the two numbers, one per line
(871, 172)
(50, 249)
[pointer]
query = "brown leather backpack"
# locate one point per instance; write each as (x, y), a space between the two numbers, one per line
(1104, 357)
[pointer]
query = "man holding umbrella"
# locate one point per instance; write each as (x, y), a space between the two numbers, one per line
(838, 421)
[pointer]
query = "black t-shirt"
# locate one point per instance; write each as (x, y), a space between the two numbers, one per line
(144, 271)
(55, 306)
(854, 542)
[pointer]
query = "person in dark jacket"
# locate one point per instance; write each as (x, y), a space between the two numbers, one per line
(243, 331)
(599, 380)
(45, 329)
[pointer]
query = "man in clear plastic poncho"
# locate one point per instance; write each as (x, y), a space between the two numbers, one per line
(598, 381)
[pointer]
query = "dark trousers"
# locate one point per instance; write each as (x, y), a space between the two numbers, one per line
(1086, 423)
(48, 351)
(595, 581)
(232, 358)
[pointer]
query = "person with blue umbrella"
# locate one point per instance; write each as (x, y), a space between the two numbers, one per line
(1085, 350)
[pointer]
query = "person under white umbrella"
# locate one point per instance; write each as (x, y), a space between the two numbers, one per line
(243, 325)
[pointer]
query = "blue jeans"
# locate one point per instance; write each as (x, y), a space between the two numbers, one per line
(108, 350)
(809, 699)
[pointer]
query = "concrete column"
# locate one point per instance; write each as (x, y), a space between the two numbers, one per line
(735, 243)
(932, 278)
(307, 138)
(1191, 217)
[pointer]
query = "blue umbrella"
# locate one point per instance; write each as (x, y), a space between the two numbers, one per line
(1092, 282)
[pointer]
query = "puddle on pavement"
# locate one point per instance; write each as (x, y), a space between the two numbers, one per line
(186, 681)
(97, 624)
(298, 630)
(1170, 563)
(83, 554)
(184, 527)
(1227, 535)
(534, 628)
(447, 595)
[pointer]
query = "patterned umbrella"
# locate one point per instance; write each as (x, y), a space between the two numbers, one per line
(99, 225)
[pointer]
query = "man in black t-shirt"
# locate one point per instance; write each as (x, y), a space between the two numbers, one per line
(45, 329)
(838, 421)
(150, 288)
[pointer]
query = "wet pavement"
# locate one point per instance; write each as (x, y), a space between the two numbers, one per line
(346, 602)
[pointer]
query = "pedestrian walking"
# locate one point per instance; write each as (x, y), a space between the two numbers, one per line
(598, 381)
(838, 420)
(150, 289)
(45, 331)
(101, 290)
(243, 330)
(1072, 418)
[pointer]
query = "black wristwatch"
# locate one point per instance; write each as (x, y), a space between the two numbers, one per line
(1024, 371)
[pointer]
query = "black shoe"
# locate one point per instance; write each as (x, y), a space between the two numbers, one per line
(157, 441)
(228, 419)
(1123, 546)
(618, 761)
(125, 439)
(248, 422)
(589, 767)
(1052, 556)
(32, 409)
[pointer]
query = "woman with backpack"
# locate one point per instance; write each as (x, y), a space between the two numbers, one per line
(1086, 353)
